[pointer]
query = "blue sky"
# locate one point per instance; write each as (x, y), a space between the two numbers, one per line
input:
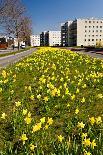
(48, 14)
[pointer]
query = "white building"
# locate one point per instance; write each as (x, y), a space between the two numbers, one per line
(35, 40)
(53, 38)
(86, 32)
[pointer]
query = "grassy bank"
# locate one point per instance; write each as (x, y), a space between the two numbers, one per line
(52, 104)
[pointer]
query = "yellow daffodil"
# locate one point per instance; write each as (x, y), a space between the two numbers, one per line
(50, 121)
(68, 105)
(18, 104)
(93, 144)
(84, 135)
(100, 96)
(73, 97)
(23, 138)
(87, 142)
(84, 86)
(66, 91)
(28, 120)
(83, 100)
(32, 147)
(61, 79)
(87, 153)
(58, 92)
(46, 126)
(3, 116)
(36, 127)
(42, 120)
(65, 84)
(5, 81)
(24, 111)
(60, 138)
(4, 74)
(98, 120)
(39, 96)
(32, 97)
(80, 125)
(29, 88)
(29, 114)
(46, 98)
(53, 92)
(92, 120)
(77, 91)
(77, 111)
(12, 91)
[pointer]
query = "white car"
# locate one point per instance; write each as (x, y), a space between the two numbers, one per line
(22, 46)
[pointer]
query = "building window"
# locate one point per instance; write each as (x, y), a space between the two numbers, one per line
(97, 26)
(85, 26)
(89, 26)
(93, 21)
(85, 40)
(85, 31)
(88, 39)
(100, 26)
(100, 30)
(93, 26)
(89, 21)
(93, 30)
(85, 21)
(92, 39)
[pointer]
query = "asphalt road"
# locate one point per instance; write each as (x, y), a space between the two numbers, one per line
(8, 60)
(90, 53)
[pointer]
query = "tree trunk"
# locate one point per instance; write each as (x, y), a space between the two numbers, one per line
(18, 45)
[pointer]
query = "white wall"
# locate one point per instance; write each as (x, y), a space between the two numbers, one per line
(35, 40)
(54, 38)
(89, 31)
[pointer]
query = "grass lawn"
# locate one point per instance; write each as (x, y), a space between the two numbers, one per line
(51, 103)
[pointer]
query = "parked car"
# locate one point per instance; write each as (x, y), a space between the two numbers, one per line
(22, 46)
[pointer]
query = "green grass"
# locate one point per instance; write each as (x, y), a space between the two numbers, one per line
(65, 79)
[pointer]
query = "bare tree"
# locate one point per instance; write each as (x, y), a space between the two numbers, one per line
(14, 19)
(26, 28)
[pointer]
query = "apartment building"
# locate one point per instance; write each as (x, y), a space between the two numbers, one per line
(64, 33)
(53, 38)
(35, 40)
(86, 32)
(42, 38)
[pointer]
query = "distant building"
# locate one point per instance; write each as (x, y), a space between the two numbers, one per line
(35, 40)
(53, 38)
(65, 32)
(86, 32)
(42, 38)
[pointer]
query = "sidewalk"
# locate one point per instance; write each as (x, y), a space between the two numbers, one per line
(8, 60)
